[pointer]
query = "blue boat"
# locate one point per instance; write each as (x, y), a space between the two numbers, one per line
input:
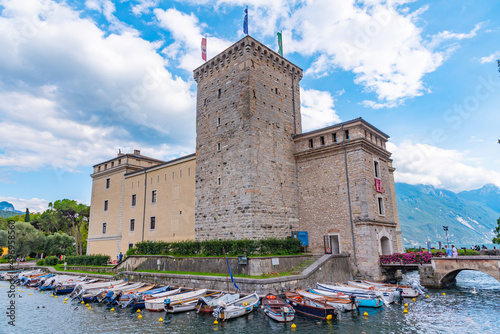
(364, 299)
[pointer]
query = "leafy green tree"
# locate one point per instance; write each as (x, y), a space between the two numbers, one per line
(27, 215)
(28, 239)
(59, 243)
(496, 240)
(3, 238)
(77, 215)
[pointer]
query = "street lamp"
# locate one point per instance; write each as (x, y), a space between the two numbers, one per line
(445, 228)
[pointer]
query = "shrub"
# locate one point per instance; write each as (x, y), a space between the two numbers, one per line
(51, 260)
(40, 262)
(88, 260)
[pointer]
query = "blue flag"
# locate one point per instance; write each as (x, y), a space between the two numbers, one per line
(231, 274)
(245, 22)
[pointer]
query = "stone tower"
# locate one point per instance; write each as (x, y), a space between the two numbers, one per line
(248, 110)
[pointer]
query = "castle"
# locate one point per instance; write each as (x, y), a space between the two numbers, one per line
(254, 174)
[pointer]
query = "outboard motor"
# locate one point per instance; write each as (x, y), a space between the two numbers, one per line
(417, 287)
(400, 291)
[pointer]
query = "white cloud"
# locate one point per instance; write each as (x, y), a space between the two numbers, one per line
(33, 204)
(72, 93)
(426, 164)
(143, 6)
(491, 58)
(187, 32)
(317, 109)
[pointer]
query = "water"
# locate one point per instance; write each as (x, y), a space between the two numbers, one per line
(460, 311)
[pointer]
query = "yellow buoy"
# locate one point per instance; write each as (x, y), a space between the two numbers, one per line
(427, 296)
(161, 319)
(64, 302)
(365, 314)
(406, 305)
(216, 322)
(140, 316)
(329, 317)
(405, 311)
(55, 296)
(24, 291)
(112, 309)
(413, 299)
(90, 307)
(66, 298)
(82, 302)
(52, 295)
(444, 294)
(138, 311)
(294, 325)
(41, 291)
(30, 294)
(86, 305)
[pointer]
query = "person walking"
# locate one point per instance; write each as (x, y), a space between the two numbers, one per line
(120, 257)
(454, 251)
(448, 251)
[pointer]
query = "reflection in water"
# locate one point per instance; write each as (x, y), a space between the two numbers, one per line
(460, 311)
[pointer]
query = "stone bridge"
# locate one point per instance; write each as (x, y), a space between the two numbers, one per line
(443, 271)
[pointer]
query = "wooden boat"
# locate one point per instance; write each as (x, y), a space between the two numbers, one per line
(187, 304)
(360, 301)
(277, 308)
(360, 294)
(408, 291)
(9, 274)
(237, 308)
(209, 304)
(313, 308)
(158, 304)
(132, 298)
(340, 304)
(126, 293)
(101, 296)
(96, 285)
(92, 294)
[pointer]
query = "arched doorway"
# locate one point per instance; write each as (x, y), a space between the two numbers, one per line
(385, 246)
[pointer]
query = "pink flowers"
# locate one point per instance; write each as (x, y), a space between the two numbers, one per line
(407, 258)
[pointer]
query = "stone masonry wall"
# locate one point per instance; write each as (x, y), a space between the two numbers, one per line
(246, 183)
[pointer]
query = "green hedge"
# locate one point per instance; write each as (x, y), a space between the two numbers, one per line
(88, 260)
(40, 263)
(51, 261)
(287, 246)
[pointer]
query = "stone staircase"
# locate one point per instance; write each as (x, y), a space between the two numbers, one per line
(307, 263)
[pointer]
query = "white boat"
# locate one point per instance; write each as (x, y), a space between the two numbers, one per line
(208, 305)
(340, 304)
(408, 291)
(158, 304)
(237, 308)
(365, 298)
(387, 296)
(187, 304)
(392, 295)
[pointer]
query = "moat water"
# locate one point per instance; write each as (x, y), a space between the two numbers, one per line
(459, 311)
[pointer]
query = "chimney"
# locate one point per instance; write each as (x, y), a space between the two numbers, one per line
(137, 152)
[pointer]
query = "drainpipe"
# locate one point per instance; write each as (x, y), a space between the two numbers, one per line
(144, 208)
(293, 106)
(348, 194)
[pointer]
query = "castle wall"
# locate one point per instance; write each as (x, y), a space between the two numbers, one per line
(246, 185)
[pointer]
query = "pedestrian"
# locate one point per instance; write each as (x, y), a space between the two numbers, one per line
(454, 251)
(120, 257)
(448, 251)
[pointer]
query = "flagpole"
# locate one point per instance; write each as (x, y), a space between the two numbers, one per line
(227, 264)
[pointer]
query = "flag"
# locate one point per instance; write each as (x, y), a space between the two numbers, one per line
(231, 274)
(204, 48)
(245, 22)
(280, 44)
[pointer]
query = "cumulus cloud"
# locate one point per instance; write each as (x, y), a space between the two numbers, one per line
(317, 109)
(427, 164)
(33, 204)
(143, 6)
(72, 93)
(491, 58)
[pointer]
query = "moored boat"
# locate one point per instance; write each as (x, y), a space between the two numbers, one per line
(341, 304)
(188, 304)
(407, 291)
(362, 301)
(158, 304)
(209, 304)
(277, 308)
(362, 295)
(314, 308)
(237, 308)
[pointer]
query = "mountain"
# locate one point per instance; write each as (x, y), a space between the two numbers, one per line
(470, 216)
(8, 210)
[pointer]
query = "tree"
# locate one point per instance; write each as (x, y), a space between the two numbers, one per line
(28, 239)
(59, 243)
(77, 215)
(27, 215)
(3, 238)
(496, 240)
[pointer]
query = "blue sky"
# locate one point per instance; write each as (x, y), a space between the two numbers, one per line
(80, 80)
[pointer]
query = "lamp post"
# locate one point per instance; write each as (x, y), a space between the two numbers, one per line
(445, 228)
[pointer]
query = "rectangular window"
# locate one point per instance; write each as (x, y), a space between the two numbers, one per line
(173, 174)
(219, 181)
(152, 223)
(346, 134)
(376, 168)
(103, 228)
(112, 164)
(218, 146)
(130, 245)
(153, 196)
(334, 137)
(108, 183)
(134, 199)
(106, 205)
(189, 171)
(180, 173)
(381, 210)
(219, 93)
(311, 143)
(218, 120)
(158, 179)
(322, 140)
(132, 225)
(99, 168)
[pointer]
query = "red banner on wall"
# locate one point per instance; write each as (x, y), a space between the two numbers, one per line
(378, 186)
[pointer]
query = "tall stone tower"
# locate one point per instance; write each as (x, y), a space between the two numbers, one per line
(248, 109)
